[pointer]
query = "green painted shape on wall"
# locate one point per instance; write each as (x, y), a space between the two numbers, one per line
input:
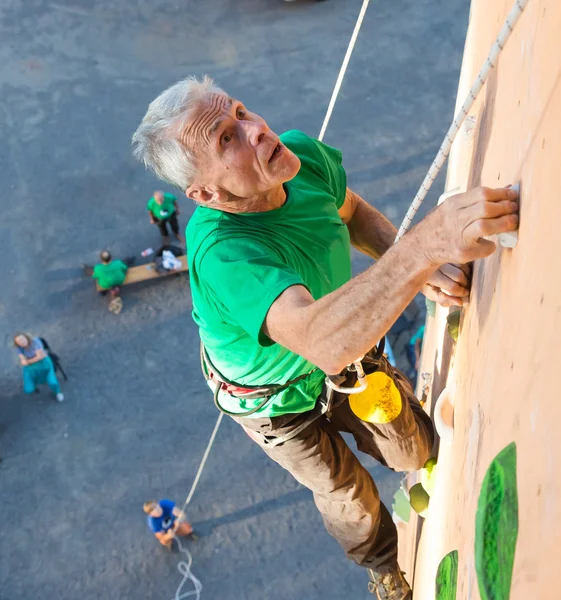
(496, 527)
(447, 577)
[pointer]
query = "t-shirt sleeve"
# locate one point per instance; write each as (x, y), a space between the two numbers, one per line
(244, 277)
(95, 274)
(121, 265)
(323, 160)
(167, 505)
(149, 204)
(155, 525)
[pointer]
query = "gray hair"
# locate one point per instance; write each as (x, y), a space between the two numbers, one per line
(155, 141)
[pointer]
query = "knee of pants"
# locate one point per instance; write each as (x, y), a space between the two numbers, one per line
(409, 455)
(28, 387)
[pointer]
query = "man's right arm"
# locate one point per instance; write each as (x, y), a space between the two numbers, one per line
(337, 329)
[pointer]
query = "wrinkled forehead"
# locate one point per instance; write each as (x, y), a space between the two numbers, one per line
(205, 118)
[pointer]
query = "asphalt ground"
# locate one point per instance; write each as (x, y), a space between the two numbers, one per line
(76, 79)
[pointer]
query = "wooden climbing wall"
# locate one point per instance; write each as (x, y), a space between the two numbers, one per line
(505, 369)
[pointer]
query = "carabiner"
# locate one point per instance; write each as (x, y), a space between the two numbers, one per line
(363, 383)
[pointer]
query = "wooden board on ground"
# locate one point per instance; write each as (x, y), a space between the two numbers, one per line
(148, 272)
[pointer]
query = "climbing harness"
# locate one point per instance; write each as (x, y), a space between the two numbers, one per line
(220, 383)
(332, 394)
(331, 386)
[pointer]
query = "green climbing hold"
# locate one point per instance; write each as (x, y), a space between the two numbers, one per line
(496, 527)
(419, 499)
(453, 324)
(401, 506)
(428, 475)
(431, 307)
(447, 577)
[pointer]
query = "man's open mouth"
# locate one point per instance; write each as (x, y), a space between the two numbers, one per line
(276, 152)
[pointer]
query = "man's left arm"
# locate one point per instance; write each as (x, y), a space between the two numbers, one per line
(372, 233)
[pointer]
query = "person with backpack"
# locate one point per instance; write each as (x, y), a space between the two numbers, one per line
(38, 368)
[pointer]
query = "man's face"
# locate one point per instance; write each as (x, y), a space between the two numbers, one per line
(157, 512)
(158, 197)
(235, 152)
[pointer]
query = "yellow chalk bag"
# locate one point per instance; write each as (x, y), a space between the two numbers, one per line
(380, 402)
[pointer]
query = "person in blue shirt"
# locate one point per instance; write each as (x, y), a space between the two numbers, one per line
(165, 521)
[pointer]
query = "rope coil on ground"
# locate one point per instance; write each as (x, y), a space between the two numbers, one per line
(444, 150)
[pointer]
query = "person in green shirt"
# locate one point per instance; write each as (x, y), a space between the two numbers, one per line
(162, 209)
(269, 248)
(110, 274)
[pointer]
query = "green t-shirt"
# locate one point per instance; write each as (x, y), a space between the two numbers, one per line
(163, 210)
(110, 275)
(240, 263)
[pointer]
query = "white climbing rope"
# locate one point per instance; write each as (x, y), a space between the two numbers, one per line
(184, 566)
(343, 69)
(444, 150)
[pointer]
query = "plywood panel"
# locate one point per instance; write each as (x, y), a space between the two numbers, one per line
(506, 363)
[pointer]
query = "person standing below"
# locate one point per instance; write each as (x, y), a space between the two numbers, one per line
(37, 365)
(166, 521)
(162, 209)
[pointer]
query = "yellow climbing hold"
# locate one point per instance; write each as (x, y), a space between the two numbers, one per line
(380, 402)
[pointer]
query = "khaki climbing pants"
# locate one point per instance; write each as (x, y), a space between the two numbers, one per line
(344, 491)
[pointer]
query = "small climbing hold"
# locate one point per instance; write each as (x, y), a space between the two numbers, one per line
(401, 509)
(419, 499)
(431, 307)
(428, 475)
(453, 324)
(444, 416)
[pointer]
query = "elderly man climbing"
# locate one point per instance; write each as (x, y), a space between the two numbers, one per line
(269, 250)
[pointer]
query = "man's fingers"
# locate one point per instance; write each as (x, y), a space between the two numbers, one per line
(446, 301)
(448, 286)
(456, 273)
(490, 210)
(485, 194)
(437, 295)
(484, 227)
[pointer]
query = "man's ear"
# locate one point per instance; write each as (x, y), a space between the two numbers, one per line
(204, 194)
(199, 194)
